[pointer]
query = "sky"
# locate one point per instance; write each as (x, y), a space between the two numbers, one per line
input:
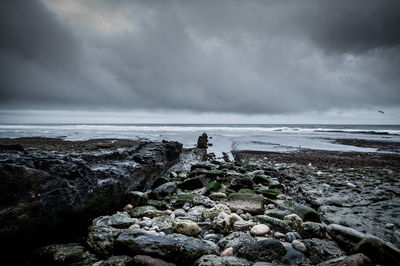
(271, 61)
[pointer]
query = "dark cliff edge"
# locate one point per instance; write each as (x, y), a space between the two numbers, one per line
(50, 189)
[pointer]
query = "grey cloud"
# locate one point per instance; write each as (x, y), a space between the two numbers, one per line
(224, 56)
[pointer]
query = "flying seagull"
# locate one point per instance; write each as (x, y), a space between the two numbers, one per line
(382, 112)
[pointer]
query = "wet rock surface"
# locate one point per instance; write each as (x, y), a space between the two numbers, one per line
(251, 211)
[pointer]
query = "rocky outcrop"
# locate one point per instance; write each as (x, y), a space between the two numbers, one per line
(43, 193)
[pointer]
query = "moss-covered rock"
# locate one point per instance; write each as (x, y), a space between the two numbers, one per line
(261, 179)
(212, 187)
(276, 224)
(269, 193)
(185, 197)
(159, 204)
(246, 191)
(307, 214)
(227, 166)
(137, 198)
(141, 211)
(276, 213)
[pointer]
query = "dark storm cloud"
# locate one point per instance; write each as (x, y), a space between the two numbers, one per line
(231, 56)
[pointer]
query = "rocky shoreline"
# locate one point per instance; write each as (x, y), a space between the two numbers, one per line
(186, 208)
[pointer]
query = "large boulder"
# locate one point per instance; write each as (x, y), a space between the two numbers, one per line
(379, 251)
(269, 250)
(345, 236)
(43, 192)
(202, 142)
(176, 248)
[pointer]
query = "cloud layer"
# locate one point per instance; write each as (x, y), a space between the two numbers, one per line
(222, 56)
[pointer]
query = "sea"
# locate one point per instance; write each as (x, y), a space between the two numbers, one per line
(223, 137)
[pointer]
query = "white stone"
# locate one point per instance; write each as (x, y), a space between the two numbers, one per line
(294, 218)
(235, 217)
(259, 230)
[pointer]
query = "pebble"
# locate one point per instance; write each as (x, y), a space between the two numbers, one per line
(168, 212)
(270, 206)
(227, 252)
(239, 211)
(296, 244)
(134, 226)
(218, 196)
(389, 226)
(128, 207)
(235, 217)
(294, 218)
(290, 236)
(259, 230)
(249, 215)
(279, 235)
(244, 216)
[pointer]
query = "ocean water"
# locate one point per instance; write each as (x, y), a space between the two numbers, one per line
(224, 137)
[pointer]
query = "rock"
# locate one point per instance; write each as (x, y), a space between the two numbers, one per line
(319, 250)
(213, 186)
(279, 235)
(213, 260)
(307, 214)
(222, 223)
(259, 230)
(279, 214)
(146, 222)
(290, 236)
(66, 186)
(164, 223)
(379, 251)
(261, 179)
(203, 200)
(235, 218)
(62, 254)
(193, 183)
(214, 211)
(268, 250)
(270, 193)
(185, 198)
(213, 237)
(296, 244)
(293, 218)
(235, 240)
(293, 256)
(218, 196)
(353, 260)
(120, 260)
(159, 181)
(195, 213)
(134, 226)
(346, 237)
(164, 190)
(118, 220)
(101, 240)
(275, 224)
(159, 204)
(242, 225)
(186, 227)
(251, 203)
(202, 141)
(244, 216)
(128, 207)
(241, 182)
(310, 230)
(227, 252)
(143, 260)
(137, 198)
(141, 211)
(176, 248)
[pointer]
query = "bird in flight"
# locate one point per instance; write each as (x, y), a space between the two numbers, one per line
(382, 112)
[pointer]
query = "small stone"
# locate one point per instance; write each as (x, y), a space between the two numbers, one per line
(168, 212)
(213, 237)
(296, 244)
(173, 175)
(242, 225)
(259, 230)
(235, 217)
(279, 235)
(128, 207)
(244, 216)
(134, 226)
(293, 218)
(227, 252)
(218, 196)
(186, 208)
(215, 211)
(389, 226)
(186, 227)
(239, 211)
(222, 223)
(270, 206)
(290, 236)
(249, 216)
(180, 212)
(281, 197)
(310, 230)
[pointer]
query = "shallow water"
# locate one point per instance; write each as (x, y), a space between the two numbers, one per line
(224, 137)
